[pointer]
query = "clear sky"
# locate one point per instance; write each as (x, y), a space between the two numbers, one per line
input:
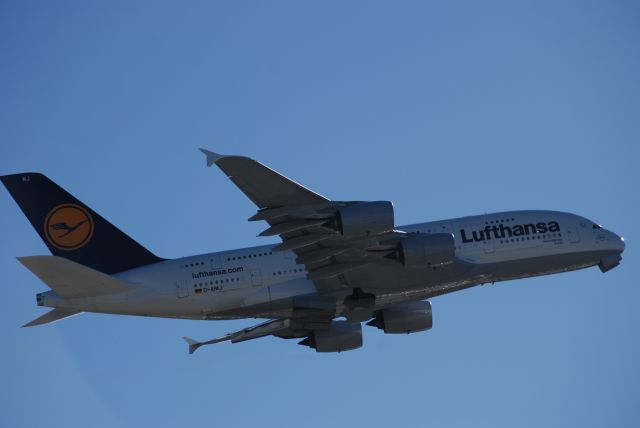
(446, 108)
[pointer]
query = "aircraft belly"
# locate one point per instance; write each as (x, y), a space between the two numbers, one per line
(390, 285)
(394, 278)
(542, 265)
(534, 266)
(481, 273)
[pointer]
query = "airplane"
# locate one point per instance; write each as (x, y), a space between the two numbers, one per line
(339, 263)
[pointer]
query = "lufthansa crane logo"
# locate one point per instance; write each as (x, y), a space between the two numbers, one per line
(68, 227)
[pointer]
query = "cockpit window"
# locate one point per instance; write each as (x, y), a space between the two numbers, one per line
(597, 226)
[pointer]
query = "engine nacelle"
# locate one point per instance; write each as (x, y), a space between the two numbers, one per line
(340, 336)
(404, 318)
(366, 218)
(427, 250)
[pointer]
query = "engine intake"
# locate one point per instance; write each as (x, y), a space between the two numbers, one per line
(340, 336)
(405, 318)
(427, 250)
(366, 218)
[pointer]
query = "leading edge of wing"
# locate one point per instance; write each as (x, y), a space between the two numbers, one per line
(264, 186)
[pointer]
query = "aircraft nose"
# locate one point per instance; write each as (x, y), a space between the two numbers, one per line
(617, 242)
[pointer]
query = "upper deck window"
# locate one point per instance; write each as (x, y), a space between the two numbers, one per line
(597, 226)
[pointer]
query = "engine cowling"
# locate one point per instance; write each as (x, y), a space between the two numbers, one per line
(404, 318)
(340, 336)
(427, 250)
(366, 218)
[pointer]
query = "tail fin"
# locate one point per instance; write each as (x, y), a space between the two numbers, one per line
(71, 229)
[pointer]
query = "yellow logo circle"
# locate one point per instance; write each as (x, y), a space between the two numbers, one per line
(68, 227)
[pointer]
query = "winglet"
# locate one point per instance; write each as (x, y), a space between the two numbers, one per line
(211, 156)
(193, 344)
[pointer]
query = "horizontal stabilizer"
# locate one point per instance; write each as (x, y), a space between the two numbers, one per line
(51, 316)
(70, 279)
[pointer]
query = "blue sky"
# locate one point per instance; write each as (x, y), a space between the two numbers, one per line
(446, 108)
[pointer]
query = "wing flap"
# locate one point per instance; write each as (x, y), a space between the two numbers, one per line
(291, 226)
(302, 241)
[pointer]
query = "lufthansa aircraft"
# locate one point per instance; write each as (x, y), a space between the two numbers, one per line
(339, 263)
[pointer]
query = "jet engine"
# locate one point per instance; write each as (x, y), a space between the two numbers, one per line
(340, 336)
(366, 218)
(405, 318)
(427, 250)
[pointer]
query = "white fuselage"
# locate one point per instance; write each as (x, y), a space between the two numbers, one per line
(260, 282)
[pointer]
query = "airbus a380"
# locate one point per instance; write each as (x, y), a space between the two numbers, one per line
(338, 264)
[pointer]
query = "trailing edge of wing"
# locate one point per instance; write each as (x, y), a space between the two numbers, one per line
(260, 330)
(264, 186)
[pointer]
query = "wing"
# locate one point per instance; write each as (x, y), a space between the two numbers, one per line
(333, 239)
(260, 330)
(288, 328)
(265, 187)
